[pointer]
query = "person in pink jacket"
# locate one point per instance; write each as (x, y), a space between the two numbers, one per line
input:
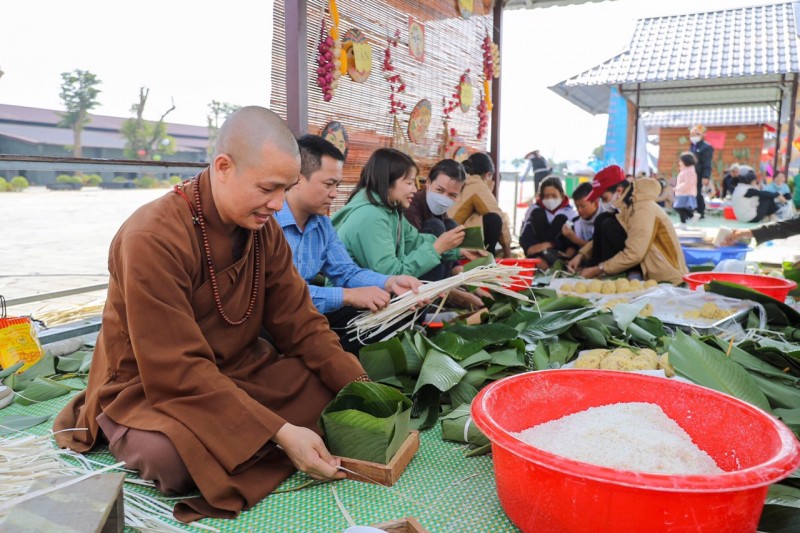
(685, 187)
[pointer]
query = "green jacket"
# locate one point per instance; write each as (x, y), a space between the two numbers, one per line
(382, 240)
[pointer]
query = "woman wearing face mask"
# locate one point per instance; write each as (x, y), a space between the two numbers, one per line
(372, 226)
(541, 231)
(638, 240)
(478, 206)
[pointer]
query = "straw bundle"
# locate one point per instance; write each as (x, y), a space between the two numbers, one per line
(496, 278)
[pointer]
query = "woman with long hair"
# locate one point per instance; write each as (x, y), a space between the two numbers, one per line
(372, 226)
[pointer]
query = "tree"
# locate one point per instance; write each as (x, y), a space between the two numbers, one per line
(79, 94)
(598, 152)
(218, 112)
(146, 139)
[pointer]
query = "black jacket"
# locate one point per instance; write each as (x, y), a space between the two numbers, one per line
(705, 156)
(777, 230)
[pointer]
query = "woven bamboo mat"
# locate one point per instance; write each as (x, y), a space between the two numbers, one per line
(445, 491)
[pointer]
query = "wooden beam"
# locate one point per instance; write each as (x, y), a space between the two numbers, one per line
(494, 146)
(296, 31)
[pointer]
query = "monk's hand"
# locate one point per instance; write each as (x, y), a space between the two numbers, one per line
(307, 452)
(402, 284)
(372, 298)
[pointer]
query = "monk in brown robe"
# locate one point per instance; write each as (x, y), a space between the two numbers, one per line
(182, 386)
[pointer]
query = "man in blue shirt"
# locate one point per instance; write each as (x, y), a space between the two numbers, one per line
(316, 248)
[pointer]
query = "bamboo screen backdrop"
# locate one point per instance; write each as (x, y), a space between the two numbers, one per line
(452, 45)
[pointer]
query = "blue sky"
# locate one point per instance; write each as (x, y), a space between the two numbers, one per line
(198, 51)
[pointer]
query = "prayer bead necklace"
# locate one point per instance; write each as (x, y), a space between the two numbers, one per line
(212, 270)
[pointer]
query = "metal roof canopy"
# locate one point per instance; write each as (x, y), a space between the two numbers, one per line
(534, 4)
(734, 58)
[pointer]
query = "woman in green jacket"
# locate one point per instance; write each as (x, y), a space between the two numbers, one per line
(372, 227)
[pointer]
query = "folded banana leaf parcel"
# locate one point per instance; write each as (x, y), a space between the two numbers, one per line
(458, 426)
(367, 421)
(473, 238)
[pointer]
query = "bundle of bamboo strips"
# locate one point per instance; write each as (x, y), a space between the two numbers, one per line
(496, 278)
(27, 458)
(55, 317)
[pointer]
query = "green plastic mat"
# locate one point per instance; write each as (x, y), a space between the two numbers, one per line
(441, 488)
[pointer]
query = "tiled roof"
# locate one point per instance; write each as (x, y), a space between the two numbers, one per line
(533, 4)
(748, 41)
(718, 58)
(710, 117)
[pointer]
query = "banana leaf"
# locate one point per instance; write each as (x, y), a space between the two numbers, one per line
(425, 407)
(453, 425)
(625, 314)
(463, 392)
(541, 359)
(486, 260)
(711, 368)
(778, 313)
(562, 303)
(790, 417)
(778, 394)
(782, 495)
(468, 337)
(14, 423)
(591, 336)
(385, 361)
(781, 512)
(473, 238)
(75, 362)
(510, 357)
(554, 323)
(439, 370)
(478, 358)
(753, 363)
(41, 390)
(367, 421)
(476, 377)
(46, 366)
(10, 370)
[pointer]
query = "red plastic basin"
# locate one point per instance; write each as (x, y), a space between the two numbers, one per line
(541, 491)
(778, 288)
(523, 281)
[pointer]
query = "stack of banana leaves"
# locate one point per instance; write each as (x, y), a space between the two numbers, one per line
(440, 371)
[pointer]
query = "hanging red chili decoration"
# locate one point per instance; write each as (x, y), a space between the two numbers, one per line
(396, 83)
(329, 57)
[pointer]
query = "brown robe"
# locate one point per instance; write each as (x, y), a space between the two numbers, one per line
(166, 361)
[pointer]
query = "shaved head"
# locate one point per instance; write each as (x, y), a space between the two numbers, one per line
(255, 161)
(246, 132)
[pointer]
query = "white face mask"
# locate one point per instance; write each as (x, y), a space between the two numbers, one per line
(551, 203)
(438, 203)
(608, 207)
(695, 139)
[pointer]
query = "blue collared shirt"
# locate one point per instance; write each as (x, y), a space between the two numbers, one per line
(318, 250)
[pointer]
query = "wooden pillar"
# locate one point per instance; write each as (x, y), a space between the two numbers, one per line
(494, 145)
(776, 159)
(790, 136)
(636, 130)
(296, 66)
